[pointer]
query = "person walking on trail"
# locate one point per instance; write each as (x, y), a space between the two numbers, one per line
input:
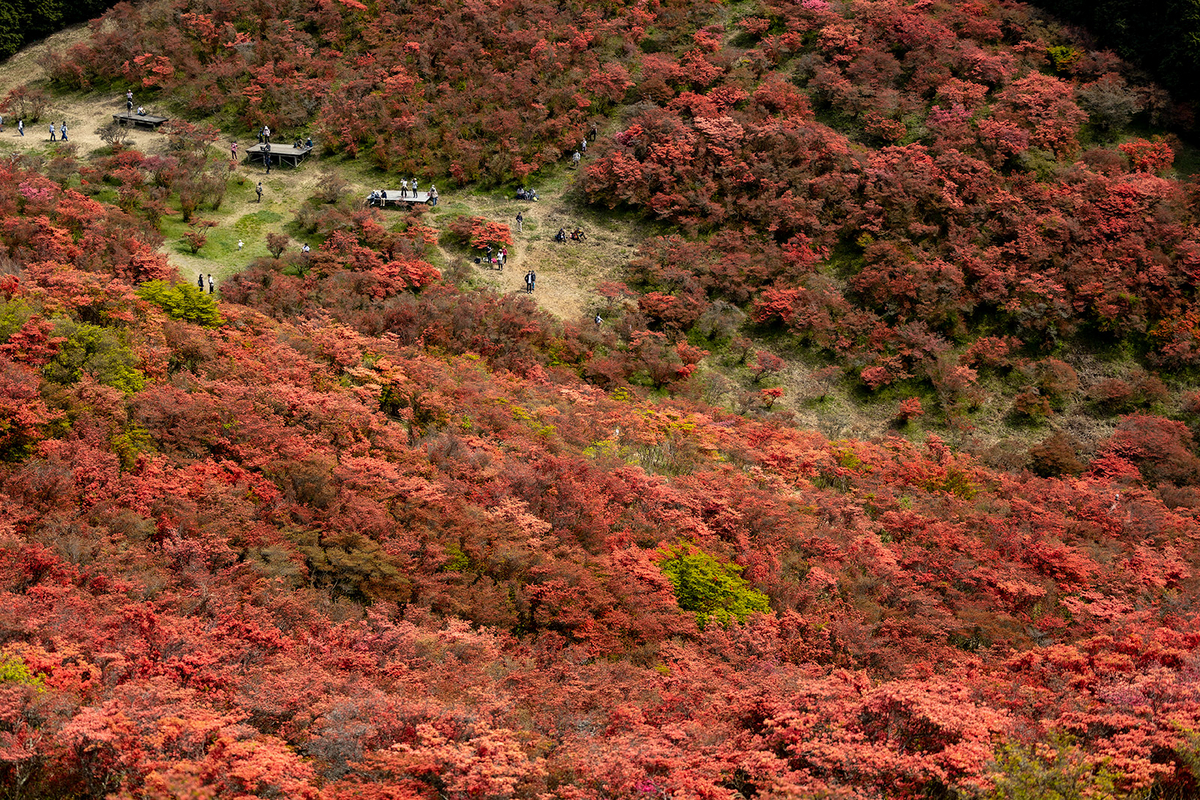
(63, 128)
(583, 145)
(528, 283)
(53, 128)
(233, 151)
(575, 159)
(200, 281)
(503, 257)
(21, 127)
(267, 134)
(258, 191)
(532, 281)
(520, 221)
(210, 283)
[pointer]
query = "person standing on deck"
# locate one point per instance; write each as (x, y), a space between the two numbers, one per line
(200, 281)
(404, 187)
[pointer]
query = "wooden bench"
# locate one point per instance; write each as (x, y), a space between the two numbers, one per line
(408, 200)
(128, 118)
(278, 154)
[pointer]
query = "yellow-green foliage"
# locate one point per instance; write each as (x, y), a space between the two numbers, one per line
(99, 353)
(14, 670)
(182, 301)
(711, 589)
(1055, 770)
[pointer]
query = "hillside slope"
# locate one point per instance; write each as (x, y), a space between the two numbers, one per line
(361, 526)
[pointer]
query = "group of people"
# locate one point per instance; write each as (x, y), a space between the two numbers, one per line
(576, 235)
(497, 257)
(53, 131)
(211, 284)
(530, 281)
(527, 194)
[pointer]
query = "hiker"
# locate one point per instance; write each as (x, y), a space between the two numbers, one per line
(575, 159)
(258, 191)
(404, 187)
(592, 136)
(561, 236)
(308, 143)
(200, 281)
(210, 283)
(21, 127)
(63, 128)
(503, 257)
(598, 320)
(141, 111)
(233, 151)
(383, 198)
(266, 134)
(241, 244)
(305, 250)
(521, 193)
(532, 281)
(53, 128)
(520, 221)
(433, 197)
(414, 185)
(583, 146)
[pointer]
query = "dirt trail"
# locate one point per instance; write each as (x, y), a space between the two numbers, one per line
(567, 273)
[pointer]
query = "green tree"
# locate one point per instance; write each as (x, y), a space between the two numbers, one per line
(182, 301)
(708, 587)
(97, 352)
(1051, 770)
